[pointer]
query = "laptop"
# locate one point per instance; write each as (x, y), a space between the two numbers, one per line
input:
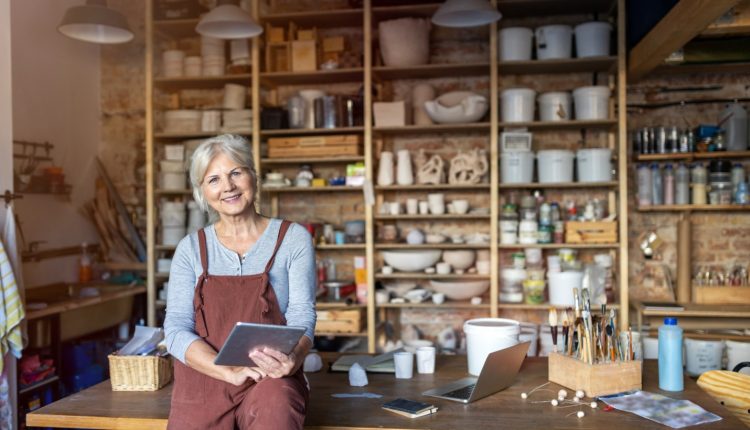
(499, 371)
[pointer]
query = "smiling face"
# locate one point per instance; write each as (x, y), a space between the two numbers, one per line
(228, 187)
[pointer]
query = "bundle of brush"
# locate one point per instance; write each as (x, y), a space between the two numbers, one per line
(591, 338)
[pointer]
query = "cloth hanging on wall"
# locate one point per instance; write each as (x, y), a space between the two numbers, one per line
(6, 408)
(11, 308)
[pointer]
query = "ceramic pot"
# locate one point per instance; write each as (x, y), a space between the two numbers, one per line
(405, 42)
(385, 168)
(404, 174)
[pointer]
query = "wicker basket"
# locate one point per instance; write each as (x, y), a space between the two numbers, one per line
(139, 373)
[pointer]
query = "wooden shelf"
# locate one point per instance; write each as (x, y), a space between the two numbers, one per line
(571, 65)
(165, 247)
(328, 189)
(562, 185)
(427, 71)
(194, 135)
(163, 192)
(710, 68)
(176, 28)
(436, 128)
(723, 30)
(325, 333)
(314, 160)
(106, 293)
(428, 187)
(317, 18)
(134, 266)
(24, 389)
(310, 131)
(562, 245)
(275, 79)
(546, 306)
(338, 305)
(446, 245)
(202, 82)
(703, 311)
(160, 303)
(384, 13)
(448, 304)
(345, 247)
(694, 208)
(601, 124)
(528, 8)
(425, 276)
(693, 155)
(446, 217)
(161, 275)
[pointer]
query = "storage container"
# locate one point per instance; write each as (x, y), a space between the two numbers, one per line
(592, 39)
(518, 105)
(594, 165)
(555, 106)
(139, 373)
(555, 166)
(487, 335)
(561, 286)
(517, 167)
(553, 42)
(591, 103)
(515, 43)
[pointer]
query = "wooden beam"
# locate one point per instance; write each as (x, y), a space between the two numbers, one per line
(684, 21)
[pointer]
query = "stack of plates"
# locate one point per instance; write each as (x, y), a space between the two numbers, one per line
(172, 63)
(238, 121)
(234, 96)
(182, 121)
(211, 121)
(212, 51)
(193, 66)
(239, 52)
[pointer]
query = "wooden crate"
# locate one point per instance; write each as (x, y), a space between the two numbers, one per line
(591, 232)
(721, 295)
(340, 321)
(595, 379)
(315, 146)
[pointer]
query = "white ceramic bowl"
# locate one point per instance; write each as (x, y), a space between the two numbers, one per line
(412, 260)
(460, 290)
(457, 107)
(460, 259)
(398, 289)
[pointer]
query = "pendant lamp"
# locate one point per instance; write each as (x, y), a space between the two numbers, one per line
(228, 21)
(95, 23)
(465, 13)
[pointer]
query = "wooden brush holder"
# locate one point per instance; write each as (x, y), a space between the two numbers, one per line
(595, 379)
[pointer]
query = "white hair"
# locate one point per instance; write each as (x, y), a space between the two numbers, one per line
(237, 148)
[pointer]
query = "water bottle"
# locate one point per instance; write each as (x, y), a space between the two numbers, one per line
(657, 187)
(644, 186)
(668, 185)
(734, 119)
(738, 175)
(670, 356)
(682, 179)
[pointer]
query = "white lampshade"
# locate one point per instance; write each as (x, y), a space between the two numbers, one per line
(465, 13)
(228, 21)
(95, 23)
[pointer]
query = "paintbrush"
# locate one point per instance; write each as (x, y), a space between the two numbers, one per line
(571, 330)
(565, 323)
(553, 326)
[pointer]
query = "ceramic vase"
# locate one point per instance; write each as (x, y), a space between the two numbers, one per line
(405, 42)
(385, 168)
(420, 94)
(404, 175)
(310, 96)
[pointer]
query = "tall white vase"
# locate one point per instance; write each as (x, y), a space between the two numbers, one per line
(385, 168)
(404, 175)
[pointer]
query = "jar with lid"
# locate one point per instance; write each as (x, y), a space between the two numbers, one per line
(682, 185)
(528, 208)
(698, 179)
(673, 139)
(509, 225)
(741, 196)
(738, 175)
(545, 214)
(644, 186)
(657, 186)
(669, 181)
(687, 140)
(720, 141)
(554, 212)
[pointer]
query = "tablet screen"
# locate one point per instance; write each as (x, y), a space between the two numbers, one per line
(246, 337)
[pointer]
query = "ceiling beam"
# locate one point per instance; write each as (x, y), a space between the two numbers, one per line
(683, 22)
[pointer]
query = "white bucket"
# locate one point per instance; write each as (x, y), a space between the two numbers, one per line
(173, 181)
(703, 355)
(545, 340)
(591, 102)
(553, 41)
(737, 352)
(517, 167)
(172, 214)
(555, 106)
(561, 286)
(592, 39)
(555, 166)
(594, 165)
(518, 105)
(171, 236)
(650, 348)
(529, 333)
(487, 335)
(515, 43)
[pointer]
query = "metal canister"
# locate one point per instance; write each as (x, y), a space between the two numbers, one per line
(673, 140)
(660, 140)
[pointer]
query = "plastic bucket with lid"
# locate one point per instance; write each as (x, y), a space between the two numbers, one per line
(737, 352)
(487, 335)
(594, 165)
(515, 43)
(591, 102)
(553, 41)
(592, 39)
(555, 106)
(518, 105)
(517, 167)
(703, 355)
(555, 166)
(561, 286)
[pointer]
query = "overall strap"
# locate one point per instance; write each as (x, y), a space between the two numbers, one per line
(204, 251)
(282, 232)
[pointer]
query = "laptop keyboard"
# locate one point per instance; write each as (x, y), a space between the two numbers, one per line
(461, 393)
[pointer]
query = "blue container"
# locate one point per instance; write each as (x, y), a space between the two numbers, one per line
(670, 356)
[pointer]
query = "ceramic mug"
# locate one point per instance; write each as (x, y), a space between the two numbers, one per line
(483, 267)
(404, 363)
(443, 268)
(412, 206)
(395, 208)
(437, 203)
(426, 359)
(438, 298)
(460, 206)
(424, 207)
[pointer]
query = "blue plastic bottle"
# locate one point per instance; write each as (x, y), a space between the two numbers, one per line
(670, 356)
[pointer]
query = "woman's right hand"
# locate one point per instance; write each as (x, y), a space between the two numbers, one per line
(239, 375)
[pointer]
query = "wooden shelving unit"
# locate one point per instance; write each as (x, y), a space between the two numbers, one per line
(560, 185)
(695, 208)
(201, 82)
(602, 124)
(572, 65)
(691, 156)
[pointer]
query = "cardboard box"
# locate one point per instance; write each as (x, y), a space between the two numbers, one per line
(591, 232)
(340, 321)
(721, 295)
(595, 379)
(304, 56)
(389, 114)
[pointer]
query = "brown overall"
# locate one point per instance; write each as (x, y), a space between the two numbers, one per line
(202, 402)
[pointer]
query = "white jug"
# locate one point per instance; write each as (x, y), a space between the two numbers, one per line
(385, 168)
(404, 175)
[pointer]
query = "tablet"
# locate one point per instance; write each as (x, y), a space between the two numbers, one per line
(246, 337)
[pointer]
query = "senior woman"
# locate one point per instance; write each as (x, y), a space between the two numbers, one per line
(242, 267)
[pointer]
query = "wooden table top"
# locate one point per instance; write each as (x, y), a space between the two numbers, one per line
(100, 408)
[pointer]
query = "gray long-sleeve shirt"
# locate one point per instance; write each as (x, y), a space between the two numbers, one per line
(292, 277)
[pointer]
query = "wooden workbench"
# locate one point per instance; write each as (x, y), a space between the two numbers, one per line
(100, 408)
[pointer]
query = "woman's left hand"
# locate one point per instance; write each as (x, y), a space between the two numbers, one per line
(274, 363)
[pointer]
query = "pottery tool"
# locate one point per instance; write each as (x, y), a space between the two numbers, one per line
(571, 329)
(610, 345)
(553, 326)
(631, 351)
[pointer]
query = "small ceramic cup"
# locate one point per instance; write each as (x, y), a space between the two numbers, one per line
(438, 298)
(386, 270)
(412, 206)
(443, 268)
(424, 207)
(460, 206)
